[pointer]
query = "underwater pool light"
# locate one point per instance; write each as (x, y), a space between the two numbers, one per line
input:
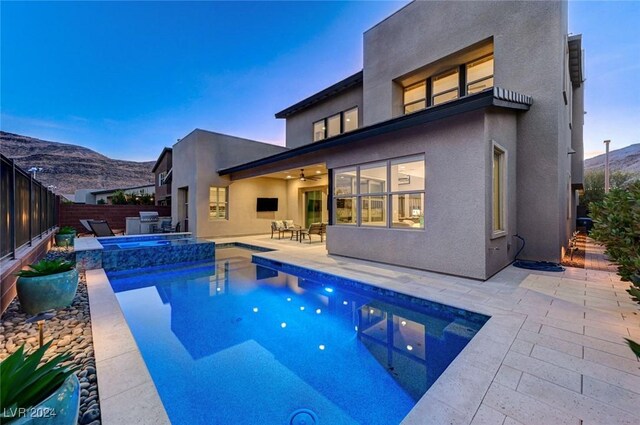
(329, 290)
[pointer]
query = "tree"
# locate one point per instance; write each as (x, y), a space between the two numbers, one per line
(617, 226)
(594, 184)
(119, 198)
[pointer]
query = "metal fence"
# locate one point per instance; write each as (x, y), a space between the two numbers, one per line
(28, 208)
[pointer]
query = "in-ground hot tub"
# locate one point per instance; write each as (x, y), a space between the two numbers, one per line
(132, 252)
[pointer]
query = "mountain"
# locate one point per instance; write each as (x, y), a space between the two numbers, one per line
(71, 167)
(625, 159)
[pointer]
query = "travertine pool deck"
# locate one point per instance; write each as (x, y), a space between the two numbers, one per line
(552, 353)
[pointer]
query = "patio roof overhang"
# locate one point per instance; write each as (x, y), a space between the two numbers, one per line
(497, 97)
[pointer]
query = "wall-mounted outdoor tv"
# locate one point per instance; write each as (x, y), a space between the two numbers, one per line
(267, 204)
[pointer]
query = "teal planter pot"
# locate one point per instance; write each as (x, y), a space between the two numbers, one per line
(65, 239)
(60, 408)
(42, 293)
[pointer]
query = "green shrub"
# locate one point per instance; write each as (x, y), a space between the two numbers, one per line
(46, 267)
(617, 226)
(24, 384)
(66, 230)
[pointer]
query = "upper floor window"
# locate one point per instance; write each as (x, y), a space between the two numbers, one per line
(415, 97)
(480, 74)
(465, 79)
(334, 125)
(319, 128)
(161, 177)
(445, 87)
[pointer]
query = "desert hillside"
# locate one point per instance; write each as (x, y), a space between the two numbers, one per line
(625, 159)
(71, 167)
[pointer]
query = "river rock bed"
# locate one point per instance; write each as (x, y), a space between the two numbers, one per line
(70, 330)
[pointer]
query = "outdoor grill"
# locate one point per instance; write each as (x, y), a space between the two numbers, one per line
(148, 221)
(148, 217)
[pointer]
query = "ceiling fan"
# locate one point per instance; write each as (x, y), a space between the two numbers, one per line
(302, 177)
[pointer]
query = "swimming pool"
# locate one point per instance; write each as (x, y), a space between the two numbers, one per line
(231, 342)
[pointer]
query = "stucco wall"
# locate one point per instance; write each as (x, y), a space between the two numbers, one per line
(453, 240)
(529, 41)
(501, 129)
(196, 159)
(300, 125)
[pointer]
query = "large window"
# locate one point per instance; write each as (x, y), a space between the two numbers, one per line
(498, 183)
(364, 195)
(334, 125)
(218, 203)
(480, 75)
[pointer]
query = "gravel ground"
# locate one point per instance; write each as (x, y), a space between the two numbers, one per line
(70, 329)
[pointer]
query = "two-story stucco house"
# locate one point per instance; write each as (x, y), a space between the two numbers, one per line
(462, 130)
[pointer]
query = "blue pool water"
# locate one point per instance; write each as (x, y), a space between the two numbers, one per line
(145, 242)
(232, 342)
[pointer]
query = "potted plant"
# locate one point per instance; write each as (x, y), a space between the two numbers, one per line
(47, 284)
(34, 395)
(65, 236)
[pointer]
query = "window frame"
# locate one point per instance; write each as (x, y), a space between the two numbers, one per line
(387, 194)
(462, 87)
(218, 203)
(502, 231)
(423, 99)
(466, 68)
(325, 124)
(457, 88)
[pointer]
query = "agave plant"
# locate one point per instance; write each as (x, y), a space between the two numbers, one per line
(66, 230)
(24, 384)
(46, 267)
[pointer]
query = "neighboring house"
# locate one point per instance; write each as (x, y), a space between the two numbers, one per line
(162, 171)
(98, 196)
(463, 130)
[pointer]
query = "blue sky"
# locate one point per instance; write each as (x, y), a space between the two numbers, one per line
(126, 79)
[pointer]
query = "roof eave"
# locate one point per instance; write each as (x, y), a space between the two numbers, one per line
(496, 97)
(332, 90)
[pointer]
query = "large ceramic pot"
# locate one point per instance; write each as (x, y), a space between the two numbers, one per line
(65, 239)
(60, 408)
(42, 293)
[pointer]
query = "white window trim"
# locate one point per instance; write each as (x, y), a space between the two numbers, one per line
(226, 204)
(504, 181)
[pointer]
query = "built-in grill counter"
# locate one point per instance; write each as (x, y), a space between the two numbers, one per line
(146, 223)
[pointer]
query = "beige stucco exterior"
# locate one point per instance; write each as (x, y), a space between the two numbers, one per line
(531, 58)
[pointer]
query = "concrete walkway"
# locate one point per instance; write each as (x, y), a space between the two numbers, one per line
(595, 258)
(552, 353)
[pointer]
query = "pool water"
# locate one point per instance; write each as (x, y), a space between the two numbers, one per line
(231, 342)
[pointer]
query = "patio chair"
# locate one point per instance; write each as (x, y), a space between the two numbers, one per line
(314, 229)
(278, 226)
(100, 228)
(85, 224)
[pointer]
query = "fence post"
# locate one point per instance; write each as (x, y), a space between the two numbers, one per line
(40, 211)
(12, 210)
(30, 209)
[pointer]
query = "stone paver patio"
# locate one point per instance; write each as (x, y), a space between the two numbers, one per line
(555, 353)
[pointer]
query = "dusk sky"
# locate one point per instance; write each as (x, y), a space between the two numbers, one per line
(127, 79)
